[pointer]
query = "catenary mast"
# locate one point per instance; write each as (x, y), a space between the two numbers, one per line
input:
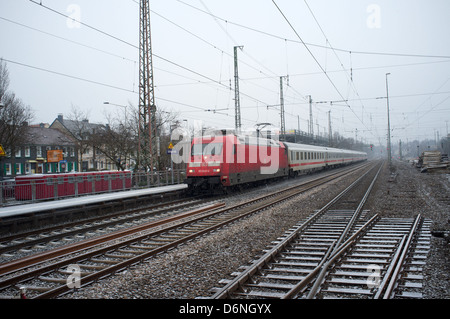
(147, 107)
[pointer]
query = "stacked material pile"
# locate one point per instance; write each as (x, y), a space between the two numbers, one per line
(432, 160)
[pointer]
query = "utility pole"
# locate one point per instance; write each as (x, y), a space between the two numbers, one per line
(389, 124)
(311, 123)
(237, 103)
(147, 107)
(330, 137)
(283, 127)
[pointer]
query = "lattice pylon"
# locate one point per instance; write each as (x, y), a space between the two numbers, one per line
(147, 107)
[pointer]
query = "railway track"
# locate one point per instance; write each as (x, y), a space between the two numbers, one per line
(338, 253)
(33, 241)
(57, 271)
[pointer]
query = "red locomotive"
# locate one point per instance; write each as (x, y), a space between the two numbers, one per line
(218, 163)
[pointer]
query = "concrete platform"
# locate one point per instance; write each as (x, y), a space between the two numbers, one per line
(18, 210)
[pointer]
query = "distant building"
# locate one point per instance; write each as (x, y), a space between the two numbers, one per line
(89, 158)
(32, 157)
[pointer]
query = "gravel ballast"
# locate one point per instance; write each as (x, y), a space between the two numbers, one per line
(191, 270)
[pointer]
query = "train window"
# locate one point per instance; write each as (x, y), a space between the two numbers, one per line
(206, 149)
(298, 156)
(301, 156)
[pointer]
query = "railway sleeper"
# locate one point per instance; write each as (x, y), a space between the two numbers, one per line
(115, 255)
(105, 261)
(305, 271)
(66, 272)
(142, 247)
(53, 280)
(94, 267)
(352, 291)
(348, 281)
(33, 288)
(130, 251)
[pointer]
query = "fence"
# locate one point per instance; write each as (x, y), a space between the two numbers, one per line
(35, 188)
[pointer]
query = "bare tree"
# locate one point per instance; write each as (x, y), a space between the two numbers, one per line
(4, 80)
(14, 116)
(115, 141)
(81, 130)
(118, 141)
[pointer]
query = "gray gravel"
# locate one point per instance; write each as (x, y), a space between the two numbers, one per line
(191, 270)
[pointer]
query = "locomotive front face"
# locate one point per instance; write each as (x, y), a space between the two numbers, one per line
(205, 167)
(206, 159)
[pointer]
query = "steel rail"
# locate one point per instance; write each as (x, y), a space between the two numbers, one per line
(310, 277)
(306, 186)
(340, 248)
(245, 275)
(292, 191)
(64, 250)
(337, 253)
(358, 210)
(388, 284)
(76, 230)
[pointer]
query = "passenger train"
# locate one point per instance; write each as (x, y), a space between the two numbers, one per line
(218, 163)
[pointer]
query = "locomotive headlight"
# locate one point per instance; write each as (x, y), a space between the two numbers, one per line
(191, 171)
(216, 170)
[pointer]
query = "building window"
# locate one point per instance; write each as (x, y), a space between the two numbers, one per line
(18, 153)
(8, 168)
(18, 168)
(72, 152)
(38, 151)
(27, 168)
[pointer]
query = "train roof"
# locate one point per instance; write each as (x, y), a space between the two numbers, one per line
(240, 138)
(315, 148)
(247, 139)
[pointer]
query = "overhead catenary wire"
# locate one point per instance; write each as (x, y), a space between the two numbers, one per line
(136, 47)
(219, 79)
(318, 63)
(314, 44)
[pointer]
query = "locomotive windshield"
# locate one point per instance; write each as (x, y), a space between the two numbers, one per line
(206, 149)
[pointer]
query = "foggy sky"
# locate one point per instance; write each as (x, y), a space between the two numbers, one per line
(341, 50)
